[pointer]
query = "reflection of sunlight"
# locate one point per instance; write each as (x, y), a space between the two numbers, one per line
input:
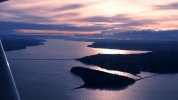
(114, 72)
(115, 51)
(105, 95)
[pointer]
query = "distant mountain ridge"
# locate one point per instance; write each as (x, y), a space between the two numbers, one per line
(169, 35)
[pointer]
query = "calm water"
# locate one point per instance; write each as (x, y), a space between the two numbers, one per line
(52, 80)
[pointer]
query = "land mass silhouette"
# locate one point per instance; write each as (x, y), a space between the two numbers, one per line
(136, 45)
(94, 79)
(162, 62)
(17, 42)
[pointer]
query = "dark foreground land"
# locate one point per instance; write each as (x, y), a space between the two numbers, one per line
(17, 42)
(156, 62)
(100, 80)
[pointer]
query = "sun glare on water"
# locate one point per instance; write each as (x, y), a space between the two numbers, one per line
(115, 51)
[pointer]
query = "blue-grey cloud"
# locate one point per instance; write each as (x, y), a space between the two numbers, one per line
(124, 21)
(172, 6)
(95, 19)
(67, 14)
(139, 22)
(69, 7)
(3, 0)
(117, 18)
(9, 27)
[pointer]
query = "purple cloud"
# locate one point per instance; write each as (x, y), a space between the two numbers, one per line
(69, 7)
(124, 21)
(10, 27)
(172, 6)
(118, 18)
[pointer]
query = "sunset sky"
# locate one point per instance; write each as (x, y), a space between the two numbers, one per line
(88, 16)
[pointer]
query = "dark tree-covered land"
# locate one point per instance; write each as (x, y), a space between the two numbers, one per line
(16, 42)
(136, 45)
(156, 62)
(94, 79)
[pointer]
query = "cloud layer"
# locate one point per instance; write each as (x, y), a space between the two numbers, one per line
(89, 15)
(12, 27)
(172, 6)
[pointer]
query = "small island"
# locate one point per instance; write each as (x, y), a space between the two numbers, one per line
(94, 79)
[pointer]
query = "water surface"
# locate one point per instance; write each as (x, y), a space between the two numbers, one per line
(52, 80)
